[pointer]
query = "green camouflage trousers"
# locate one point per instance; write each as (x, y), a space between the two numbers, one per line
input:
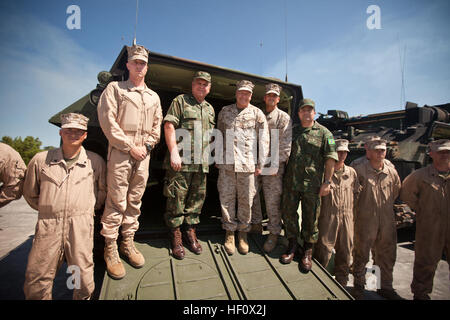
(310, 209)
(186, 193)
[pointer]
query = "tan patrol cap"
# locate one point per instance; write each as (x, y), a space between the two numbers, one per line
(137, 52)
(74, 120)
(202, 75)
(371, 138)
(245, 85)
(273, 88)
(342, 145)
(439, 145)
(378, 144)
(307, 102)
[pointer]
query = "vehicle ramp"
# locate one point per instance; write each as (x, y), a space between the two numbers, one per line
(214, 275)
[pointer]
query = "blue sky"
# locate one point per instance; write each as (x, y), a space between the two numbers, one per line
(339, 62)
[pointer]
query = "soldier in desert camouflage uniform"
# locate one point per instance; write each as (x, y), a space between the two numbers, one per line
(271, 179)
(185, 182)
(242, 126)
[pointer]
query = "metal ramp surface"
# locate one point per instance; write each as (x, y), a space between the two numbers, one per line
(214, 275)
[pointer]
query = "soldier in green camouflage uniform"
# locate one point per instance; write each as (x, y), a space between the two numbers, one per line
(312, 158)
(185, 181)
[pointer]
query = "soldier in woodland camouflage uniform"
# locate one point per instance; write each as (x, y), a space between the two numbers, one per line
(242, 126)
(313, 155)
(271, 179)
(185, 182)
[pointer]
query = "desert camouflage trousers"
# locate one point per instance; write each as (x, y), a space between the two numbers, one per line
(272, 187)
(240, 185)
(310, 210)
(186, 193)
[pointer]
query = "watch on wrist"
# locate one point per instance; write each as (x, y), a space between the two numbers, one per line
(326, 181)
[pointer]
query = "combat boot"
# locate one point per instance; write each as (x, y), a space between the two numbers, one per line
(229, 242)
(243, 243)
(190, 239)
(270, 243)
(127, 249)
(114, 265)
(177, 244)
(306, 260)
(288, 256)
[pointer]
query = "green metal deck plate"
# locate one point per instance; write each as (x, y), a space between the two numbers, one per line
(214, 275)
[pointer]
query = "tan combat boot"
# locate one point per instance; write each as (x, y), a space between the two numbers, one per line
(114, 265)
(229, 242)
(127, 248)
(270, 243)
(243, 244)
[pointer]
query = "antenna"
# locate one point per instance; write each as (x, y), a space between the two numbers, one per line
(261, 57)
(285, 38)
(402, 71)
(135, 25)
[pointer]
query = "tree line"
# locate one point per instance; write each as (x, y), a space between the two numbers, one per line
(27, 147)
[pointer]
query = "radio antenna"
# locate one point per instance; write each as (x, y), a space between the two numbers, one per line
(285, 39)
(402, 56)
(135, 25)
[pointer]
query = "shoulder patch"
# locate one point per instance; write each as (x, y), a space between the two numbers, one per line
(331, 141)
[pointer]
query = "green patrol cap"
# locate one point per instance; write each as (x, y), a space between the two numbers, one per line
(307, 102)
(202, 75)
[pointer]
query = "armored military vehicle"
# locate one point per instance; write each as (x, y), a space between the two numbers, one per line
(408, 132)
(213, 274)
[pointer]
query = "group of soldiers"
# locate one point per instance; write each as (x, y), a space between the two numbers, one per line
(299, 165)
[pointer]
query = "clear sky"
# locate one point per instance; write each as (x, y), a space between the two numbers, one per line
(338, 60)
